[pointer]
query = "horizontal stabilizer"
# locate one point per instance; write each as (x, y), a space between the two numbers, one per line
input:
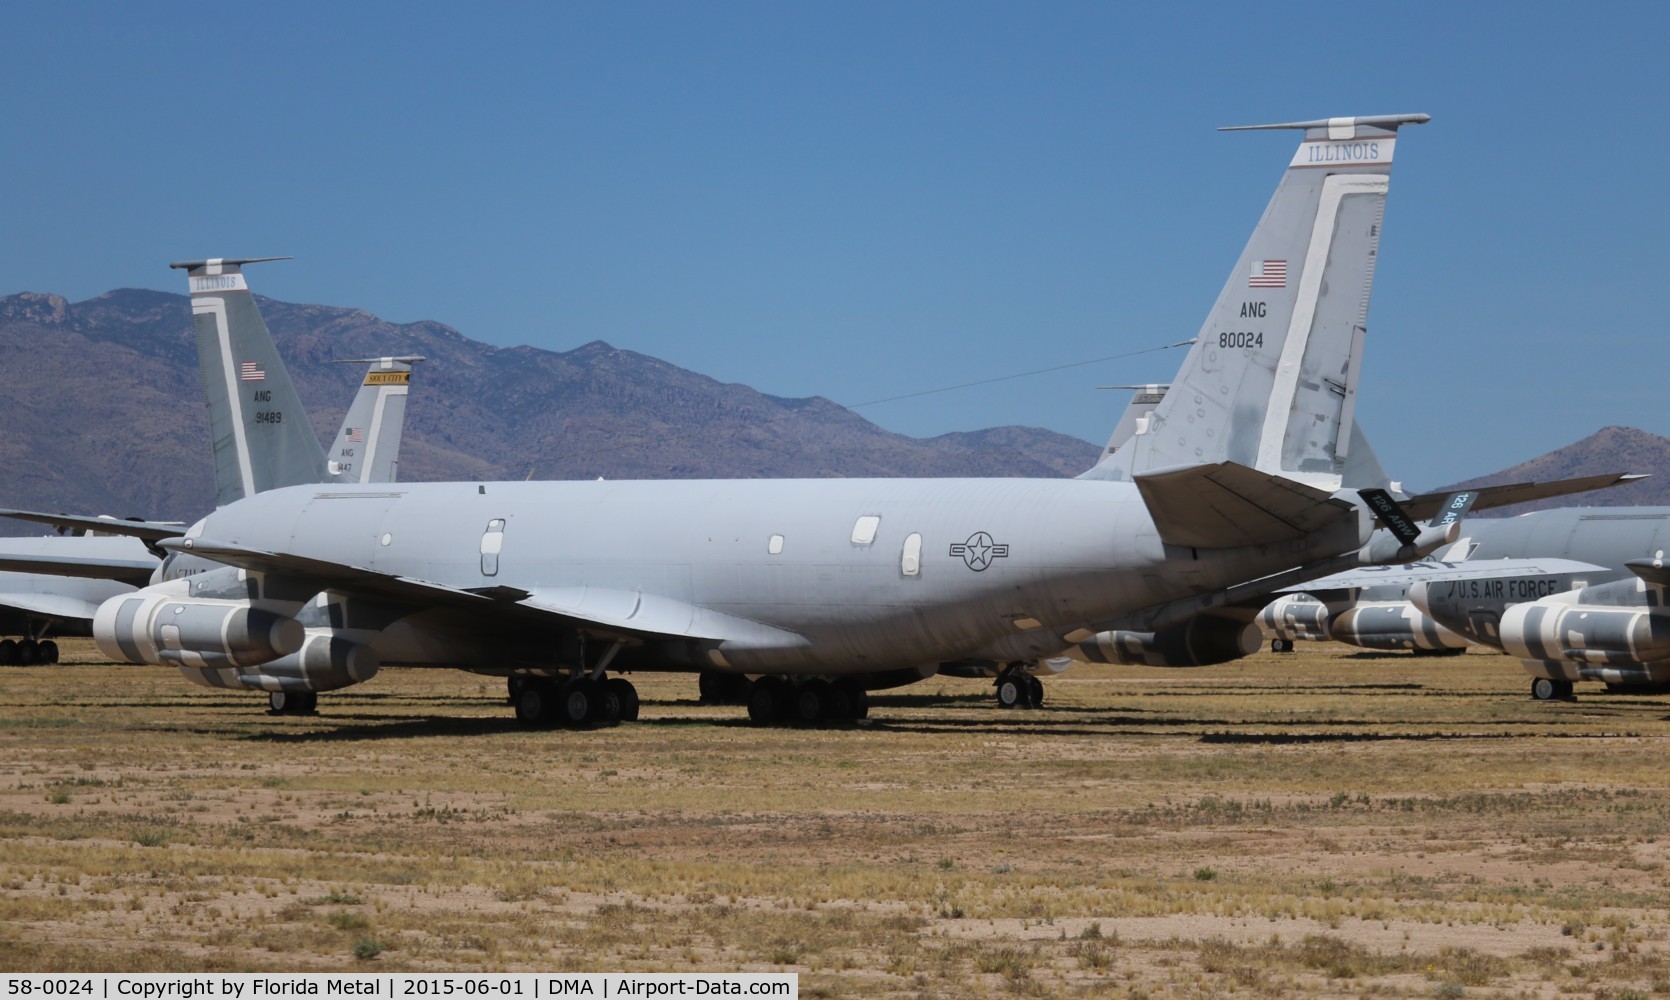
(149, 531)
(1427, 504)
(1225, 505)
(1651, 570)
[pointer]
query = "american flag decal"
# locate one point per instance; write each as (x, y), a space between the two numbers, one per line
(249, 371)
(356, 435)
(1268, 274)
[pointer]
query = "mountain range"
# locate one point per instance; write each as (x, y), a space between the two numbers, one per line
(103, 413)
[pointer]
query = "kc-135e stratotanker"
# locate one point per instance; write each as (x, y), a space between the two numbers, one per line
(823, 589)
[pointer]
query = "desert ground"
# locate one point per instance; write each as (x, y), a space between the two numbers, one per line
(1328, 822)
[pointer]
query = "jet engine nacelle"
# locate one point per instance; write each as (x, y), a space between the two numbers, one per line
(326, 661)
(1593, 634)
(1201, 641)
(1294, 617)
(1391, 625)
(163, 628)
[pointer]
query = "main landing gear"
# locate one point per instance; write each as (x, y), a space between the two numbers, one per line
(1547, 689)
(1016, 688)
(581, 701)
(293, 702)
(27, 652)
(774, 700)
(1281, 645)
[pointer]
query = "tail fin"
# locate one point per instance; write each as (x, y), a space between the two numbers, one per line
(367, 448)
(1134, 420)
(1271, 380)
(262, 438)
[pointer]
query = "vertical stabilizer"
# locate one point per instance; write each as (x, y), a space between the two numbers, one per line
(367, 448)
(262, 438)
(1134, 420)
(1271, 380)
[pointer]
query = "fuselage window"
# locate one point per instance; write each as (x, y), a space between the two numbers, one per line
(775, 546)
(865, 528)
(492, 543)
(910, 561)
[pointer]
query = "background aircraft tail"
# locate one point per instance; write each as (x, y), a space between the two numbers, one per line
(1271, 380)
(262, 438)
(367, 448)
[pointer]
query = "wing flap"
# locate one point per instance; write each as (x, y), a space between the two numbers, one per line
(1225, 505)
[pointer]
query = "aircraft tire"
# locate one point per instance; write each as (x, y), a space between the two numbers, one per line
(627, 695)
(860, 704)
(768, 701)
(810, 701)
(575, 703)
(292, 702)
(28, 652)
(605, 705)
(1011, 691)
(1544, 689)
(514, 685)
(837, 707)
(49, 651)
(535, 704)
(1034, 692)
(1281, 645)
(8, 653)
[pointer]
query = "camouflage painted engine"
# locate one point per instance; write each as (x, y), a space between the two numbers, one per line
(1603, 633)
(191, 632)
(1295, 617)
(1392, 625)
(1199, 642)
(326, 661)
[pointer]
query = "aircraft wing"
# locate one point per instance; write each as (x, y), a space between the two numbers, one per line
(1225, 505)
(149, 531)
(58, 606)
(1652, 571)
(1427, 504)
(622, 614)
(133, 571)
(1412, 573)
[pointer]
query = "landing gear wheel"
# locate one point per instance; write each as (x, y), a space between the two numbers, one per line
(577, 699)
(1281, 645)
(627, 695)
(535, 704)
(810, 701)
(605, 705)
(1547, 689)
(28, 652)
(710, 687)
(838, 707)
(1034, 692)
(860, 704)
(8, 653)
(292, 702)
(768, 701)
(514, 686)
(49, 651)
(1011, 691)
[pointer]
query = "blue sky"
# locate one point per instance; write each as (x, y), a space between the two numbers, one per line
(862, 200)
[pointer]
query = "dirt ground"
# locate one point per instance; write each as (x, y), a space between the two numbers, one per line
(1328, 822)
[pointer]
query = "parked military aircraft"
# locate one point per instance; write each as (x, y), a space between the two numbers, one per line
(1602, 621)
(825, 588)
(262, 438)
